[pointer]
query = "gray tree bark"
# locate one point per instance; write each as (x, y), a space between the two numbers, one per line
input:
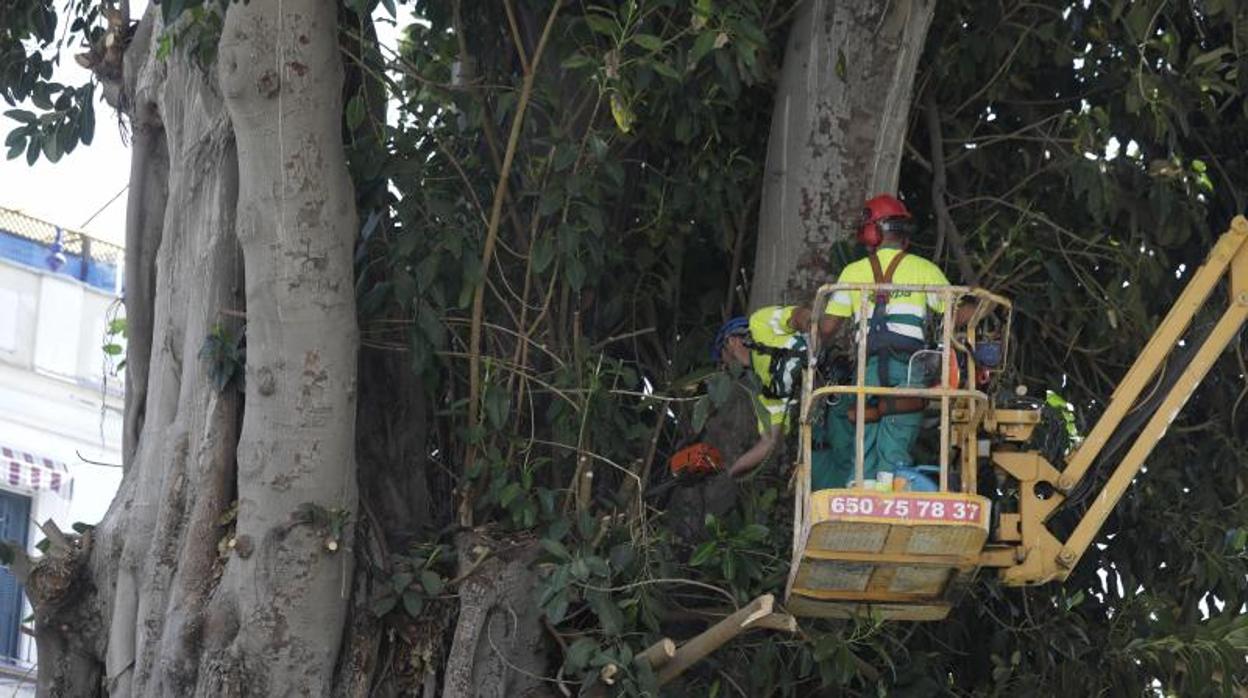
(240, 205)
(840, 121)
(281, 74)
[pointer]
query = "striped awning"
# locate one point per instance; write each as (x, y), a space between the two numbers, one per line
(29, 471)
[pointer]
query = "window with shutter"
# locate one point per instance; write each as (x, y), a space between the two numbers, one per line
(14, 526)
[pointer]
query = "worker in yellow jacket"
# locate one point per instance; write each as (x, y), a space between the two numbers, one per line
(772, 344)
(895, 331)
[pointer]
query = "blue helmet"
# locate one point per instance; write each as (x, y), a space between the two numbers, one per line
(736, 327)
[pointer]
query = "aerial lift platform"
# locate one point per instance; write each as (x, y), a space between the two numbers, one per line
(909, 555)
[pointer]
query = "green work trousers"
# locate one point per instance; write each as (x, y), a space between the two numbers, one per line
(886, 443)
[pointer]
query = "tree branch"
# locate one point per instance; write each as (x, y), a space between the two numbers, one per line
(18, 562)
(491, 238)
(1005, 64)
(944, 222)
(515, 35)
(757, 614)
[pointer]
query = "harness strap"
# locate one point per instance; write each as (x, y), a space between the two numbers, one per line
(780, 358)
(880, 315)
(884, 277)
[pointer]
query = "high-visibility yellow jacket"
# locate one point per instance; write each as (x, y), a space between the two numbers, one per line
(769, 326)
(906, 310)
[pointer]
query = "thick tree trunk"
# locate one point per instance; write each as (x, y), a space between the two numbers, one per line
(242, 218)
(156, 550)
(498, 649)
(282, 78)
(837, 132)
(161, 606)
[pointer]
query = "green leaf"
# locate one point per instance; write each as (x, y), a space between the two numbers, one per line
(164, 46)
(413, 603)
(586, 525)
(576, 60)
(40, 97)
(593, 217)
(510, 492)
(684, 128)
(597, 146)
(33, 148)
(701, 410)
(556, 549)
(704, 44)
(87, 132)
(554, 583)
(754, 533)
(703, 553)
(355, 112)
(615, 172)
(665, 69)
(558, 607)
(427, 272)
(21, 115)
(622, 556)
(597, 566)
(473, 272)
(112, 349)
(432, 582)
(1139, 20)
(1240, 540)
(401, 581)
(384, 604)
(578, 655)
(575, 270)
(649, 42)
(719, 388)
(550, 201)
(497, 405)
(543, 252)
(601, 24)
(475, 470)
(564, 157)
(1211, 56)
(610, 618)
(1075, 600)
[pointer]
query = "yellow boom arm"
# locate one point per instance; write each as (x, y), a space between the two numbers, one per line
(1040, 557)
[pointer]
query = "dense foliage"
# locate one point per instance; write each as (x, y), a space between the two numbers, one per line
(1099, 143)
(558, 207)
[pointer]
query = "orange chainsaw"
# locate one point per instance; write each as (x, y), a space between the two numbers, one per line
(688, 465)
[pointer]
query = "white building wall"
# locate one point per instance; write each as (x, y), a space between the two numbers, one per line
(55, 399)
(59, 326)
(20, 305)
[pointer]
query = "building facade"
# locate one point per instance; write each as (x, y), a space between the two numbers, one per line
(60, 398)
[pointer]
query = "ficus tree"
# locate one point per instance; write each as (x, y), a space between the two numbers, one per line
(413, 327)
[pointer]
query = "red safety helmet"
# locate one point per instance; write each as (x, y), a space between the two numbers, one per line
(883, 212)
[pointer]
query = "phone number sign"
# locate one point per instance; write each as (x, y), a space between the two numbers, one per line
(907, 507)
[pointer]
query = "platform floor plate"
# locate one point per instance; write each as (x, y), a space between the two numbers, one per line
(897, 556)
(813, 608)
